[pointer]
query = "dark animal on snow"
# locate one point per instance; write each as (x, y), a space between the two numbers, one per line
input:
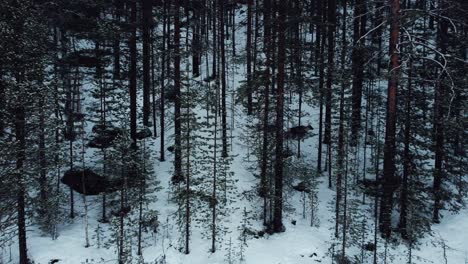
(374, 187)
(301, 187)
(369, 246)
(78, 117)
(122, 212)
(69, 134)
(144, 133)
(287, 153)
(298, 132)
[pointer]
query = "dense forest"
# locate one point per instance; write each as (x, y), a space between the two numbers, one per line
(233, 131)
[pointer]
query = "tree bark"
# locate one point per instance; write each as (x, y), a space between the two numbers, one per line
(249, 56)
(389, 179)
(281, 27)
(146, 26)
(20, 135)
(133, 73)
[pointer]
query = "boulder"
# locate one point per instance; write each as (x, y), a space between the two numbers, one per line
(85, 181)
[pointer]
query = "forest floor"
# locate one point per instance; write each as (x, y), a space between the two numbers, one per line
(301, 243)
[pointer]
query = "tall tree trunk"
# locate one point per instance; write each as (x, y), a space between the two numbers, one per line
(2, 104)
(330, 68)
(163, 79)
(215, 39)
(20, 135)
(196, 46)
(223, 79)
(341, 131)
(264, 164)
(321, 84)
(249, 56)
(406, 159)
(281, 27)
(213, 195)
(116, 49)
(177, 106)
(42, 161)
(358, 69)
(439, 125)
(133, 73)
(389, 179)
(146, 26)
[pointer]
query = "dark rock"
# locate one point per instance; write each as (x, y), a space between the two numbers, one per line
(144, 133)
(88, 182)
(170, 149)
(101, 142)
(53, 261)
(293, 222)
(85, 181)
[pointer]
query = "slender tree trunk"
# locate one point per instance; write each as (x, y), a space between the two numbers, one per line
(133, 73)
(439, 125)
(20, 135)
(146, 17)
(213, 196)
(177, 106)
(118, 12)
(42, 161)
(341, 154)
(163, 79)
(389, 179)
(278, 208)
(407, 160)
(264, 190)
(2, 104)
(249, 56)
(215, 39)
(330, 68)
(321, 92)
(358, 69)
(223, 80)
